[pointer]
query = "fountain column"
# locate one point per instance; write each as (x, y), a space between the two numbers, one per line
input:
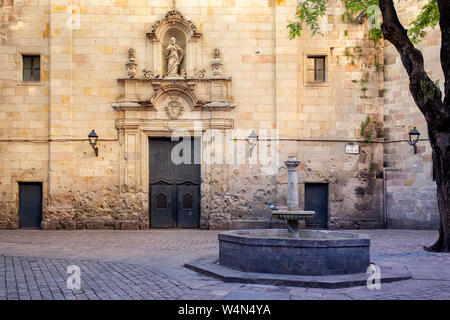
(293, 213)
(292, 196)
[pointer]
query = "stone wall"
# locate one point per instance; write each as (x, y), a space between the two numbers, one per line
(43, 128)
(24, 120)
(411, 191)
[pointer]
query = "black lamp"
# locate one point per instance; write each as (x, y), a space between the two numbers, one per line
(413, 138)
(252, 141)
(93, 138)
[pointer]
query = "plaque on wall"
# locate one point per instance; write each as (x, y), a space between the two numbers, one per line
(352, 148)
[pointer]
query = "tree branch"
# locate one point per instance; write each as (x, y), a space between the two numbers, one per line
(395, 33)
(432, 107)
(444, 23)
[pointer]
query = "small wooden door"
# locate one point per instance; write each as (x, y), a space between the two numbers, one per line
(316, 199)
(30, 205)
(174, 188)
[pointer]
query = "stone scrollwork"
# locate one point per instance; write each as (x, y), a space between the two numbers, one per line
(198, 73)
(175, 15)
(148, 73)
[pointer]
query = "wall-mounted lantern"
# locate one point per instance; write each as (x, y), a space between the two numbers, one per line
(413, 138)
(93, 138)
(252, 141)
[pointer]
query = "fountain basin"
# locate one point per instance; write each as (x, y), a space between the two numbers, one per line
(314, 252)
(293, 215)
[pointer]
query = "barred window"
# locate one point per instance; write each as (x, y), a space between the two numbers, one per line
(31, 68)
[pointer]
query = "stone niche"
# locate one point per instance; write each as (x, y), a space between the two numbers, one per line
(175, 81)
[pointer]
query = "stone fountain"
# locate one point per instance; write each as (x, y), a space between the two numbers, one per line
(293, 214)
(294, 257)
(294, 251)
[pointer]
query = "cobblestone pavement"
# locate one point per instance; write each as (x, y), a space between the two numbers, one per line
(27, 278)
(148, 265)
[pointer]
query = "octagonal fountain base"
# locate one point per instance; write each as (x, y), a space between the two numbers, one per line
(209, 266)
(313, 252)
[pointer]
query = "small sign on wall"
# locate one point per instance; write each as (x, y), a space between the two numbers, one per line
(352, 148)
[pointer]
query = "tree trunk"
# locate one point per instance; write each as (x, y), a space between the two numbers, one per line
(435, 111)
(441, 161)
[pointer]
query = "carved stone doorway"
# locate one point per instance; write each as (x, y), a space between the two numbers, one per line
(174, 189)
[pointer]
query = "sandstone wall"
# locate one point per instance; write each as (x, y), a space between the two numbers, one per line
(24, 120)
(79, 83)
(411, 192)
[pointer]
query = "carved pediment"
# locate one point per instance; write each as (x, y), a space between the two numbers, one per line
(174, 89)
(173, 17)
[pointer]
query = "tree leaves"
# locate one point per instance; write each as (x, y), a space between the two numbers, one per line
(309, 12)
(428, 17)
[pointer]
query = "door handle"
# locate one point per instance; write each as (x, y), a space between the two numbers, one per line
(170, 203)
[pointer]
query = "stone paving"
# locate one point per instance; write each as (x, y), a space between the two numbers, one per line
(148, 265)
(27, 278)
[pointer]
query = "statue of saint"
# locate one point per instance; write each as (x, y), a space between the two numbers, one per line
(174, 57)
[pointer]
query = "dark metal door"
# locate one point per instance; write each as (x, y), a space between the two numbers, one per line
(30, 204)
(161, 206)
(187, 206)
(174, 188)
(316, 199)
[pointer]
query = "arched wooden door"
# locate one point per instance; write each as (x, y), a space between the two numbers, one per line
(174, 189)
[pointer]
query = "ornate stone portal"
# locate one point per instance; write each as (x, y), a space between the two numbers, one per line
(174, 92)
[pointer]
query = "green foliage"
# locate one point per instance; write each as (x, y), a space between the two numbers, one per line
(365, 132)
(378, 65)
(362, 82)
(309, 11)
(430, 90)
(358, 51)
(428, 17)
(354, 8)
(355, 53)
(375, 34)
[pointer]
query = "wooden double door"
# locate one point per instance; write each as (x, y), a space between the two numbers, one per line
(174, 184)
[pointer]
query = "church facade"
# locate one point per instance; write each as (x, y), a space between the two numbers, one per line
(119, 114)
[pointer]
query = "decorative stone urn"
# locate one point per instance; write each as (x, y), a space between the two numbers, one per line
(131, 65)
(216, 64)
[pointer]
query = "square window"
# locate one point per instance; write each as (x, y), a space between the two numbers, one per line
(31, 67)
(316, 68)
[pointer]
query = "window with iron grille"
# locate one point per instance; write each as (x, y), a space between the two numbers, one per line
(316, 68)
(31, 67)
